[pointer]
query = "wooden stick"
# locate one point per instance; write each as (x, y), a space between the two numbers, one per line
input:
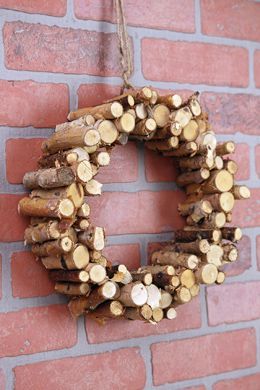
(175, 259)
(94, 238)
(214, 220)
(72, 288)
(126, 123)
(143, 313)
(172, 101)
(69, 276)
(231, 233)
(185, 149)
(182, 116)
(190, 132)
(154, 269)
(107, 131)
(225, 148)
(196, 162)
(144, 277)
(107, 291)
(106, 111)
(196, 247)
(166, 299)
(52, 248)
(42, 232)
(167, 144)
(183, 295)
(71, 138)
(241, 192)
(106, 310)
(160, 114)
(193, 177)
(36, 207)
(169, 130)
(153, 296)
(219, 181)
(231, 166)
(74, 192)
(97, 273)
(191, 235)
(144, 127)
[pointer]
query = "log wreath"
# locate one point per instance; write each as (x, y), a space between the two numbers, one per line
(70, 247)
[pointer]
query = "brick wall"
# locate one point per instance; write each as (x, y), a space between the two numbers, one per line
(56, 55)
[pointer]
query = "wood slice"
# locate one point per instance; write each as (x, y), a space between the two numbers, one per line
(161, 115)
(93, 188)
(182, 116)
(166, 299)
(207, 274)
(97, 273)
(219, 181)
(108, 131)
(126, 123)
(153, 296)
(78, 258)
(170, 313)
(190, 132)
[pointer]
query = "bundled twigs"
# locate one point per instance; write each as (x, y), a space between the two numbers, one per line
(70, 247)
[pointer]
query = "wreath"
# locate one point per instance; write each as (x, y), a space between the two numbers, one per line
(70, 246)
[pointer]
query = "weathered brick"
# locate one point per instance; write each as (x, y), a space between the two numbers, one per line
(94, 94)
(243, 262)
(257, 160)
(29, 103)
(246, 212)
(229, 113)
(101, 371)
(46, 7)
(257, 68)
(218, 67)
(14, 224)
(166, 14)
(241, 157)
(233, 303)
(223, 351)
(141, 212)
(258, 251)
(188, 318)
(250, 382)
(195, 388)
(0, 276)
(128, 254)
(159, 168)
(217, 15)
(34, 47)
(123, 165)
(27, 152)
(29, 277)
(36, 329)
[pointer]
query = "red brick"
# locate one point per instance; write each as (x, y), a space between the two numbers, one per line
(123, 167)
(46, 7)
(230, 113)
(188, 318)
(27, 152)
(94, 94)
(29, 103)
(241, 156)
(257, 68)
(257, 160)
(141, 212)
(223, 352)
(14, 224)
(195, 388)
(43, 48)
(29, 277)
(210, 64)
(159, 168)
(120, 369)
(217, 14)
(128, 254)
(258, 251)
(235, 302)
(166, 14)
(36, 329)
(0, 278)
(250, 382)
(243, 262)
(2, 380)
(247, 212)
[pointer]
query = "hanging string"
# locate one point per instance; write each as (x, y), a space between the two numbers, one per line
(124, 45)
